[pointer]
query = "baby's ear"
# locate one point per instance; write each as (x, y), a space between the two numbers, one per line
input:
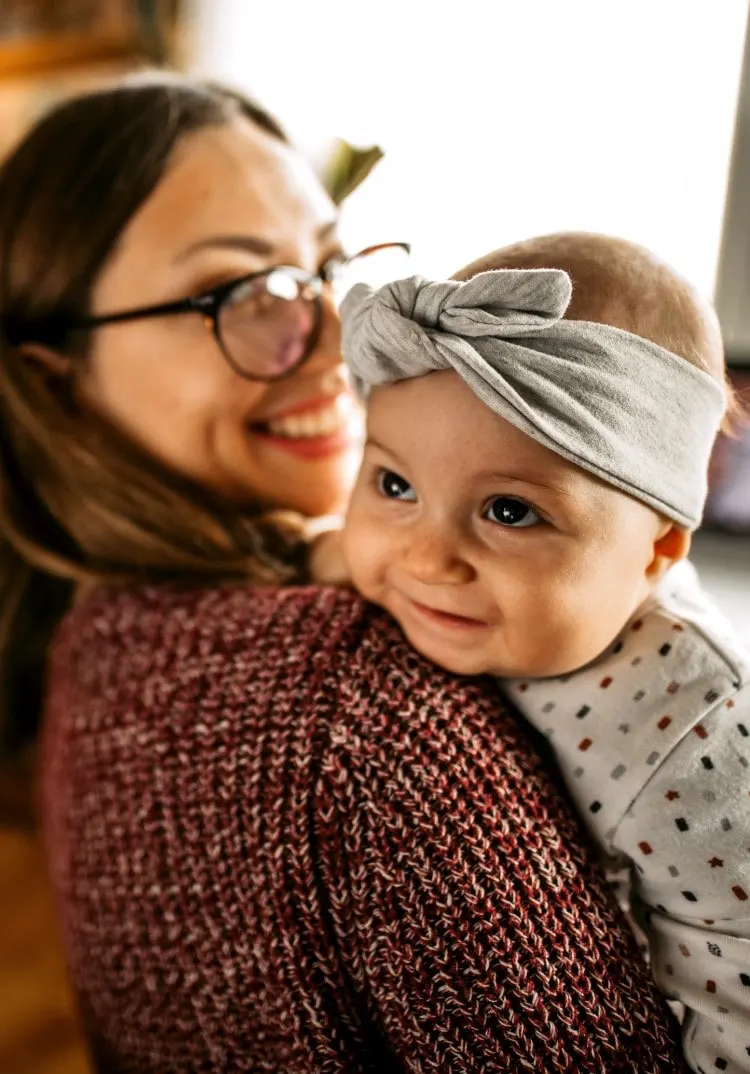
(671, 544)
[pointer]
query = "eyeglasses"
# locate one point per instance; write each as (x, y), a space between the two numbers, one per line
(267, 323)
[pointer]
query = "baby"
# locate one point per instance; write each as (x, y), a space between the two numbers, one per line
(535, 464)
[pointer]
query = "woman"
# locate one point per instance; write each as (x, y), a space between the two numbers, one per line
(279, 841)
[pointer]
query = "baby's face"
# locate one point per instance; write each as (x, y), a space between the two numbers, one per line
(493, 553)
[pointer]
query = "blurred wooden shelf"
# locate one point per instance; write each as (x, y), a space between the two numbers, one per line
(39, 54)
(38, 1029)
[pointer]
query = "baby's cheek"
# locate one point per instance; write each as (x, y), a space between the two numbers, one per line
(364, 557)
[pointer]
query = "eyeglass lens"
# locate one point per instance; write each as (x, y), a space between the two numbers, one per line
(266, 326)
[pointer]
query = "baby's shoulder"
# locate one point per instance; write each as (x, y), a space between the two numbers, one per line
(676, 662)
(700, 637)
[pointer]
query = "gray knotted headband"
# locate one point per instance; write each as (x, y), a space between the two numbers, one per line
(636, 415)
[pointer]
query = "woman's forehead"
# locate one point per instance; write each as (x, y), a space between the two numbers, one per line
(233, 179)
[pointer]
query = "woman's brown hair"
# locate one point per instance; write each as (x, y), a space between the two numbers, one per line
(78, 502)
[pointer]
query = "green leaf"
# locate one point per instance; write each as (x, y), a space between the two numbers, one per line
(347, 167)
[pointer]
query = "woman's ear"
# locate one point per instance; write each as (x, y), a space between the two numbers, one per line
(49, 362)
(672, 543)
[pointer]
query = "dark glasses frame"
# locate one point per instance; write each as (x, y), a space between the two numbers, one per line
(209, 304)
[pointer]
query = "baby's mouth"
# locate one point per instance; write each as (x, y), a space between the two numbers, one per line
(449, 619)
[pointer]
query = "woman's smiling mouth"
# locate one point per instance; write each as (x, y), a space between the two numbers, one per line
(315, 428)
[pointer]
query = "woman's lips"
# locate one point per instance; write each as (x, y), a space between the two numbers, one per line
(312, 403)
(314, 428)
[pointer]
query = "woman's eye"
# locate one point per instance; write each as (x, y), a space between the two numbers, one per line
(395, 487)
(212, 283)
(508, 511)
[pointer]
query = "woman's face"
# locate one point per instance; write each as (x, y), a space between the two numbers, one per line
(233, 201)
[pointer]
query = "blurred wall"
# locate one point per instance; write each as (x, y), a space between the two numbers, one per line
(733, 283)
(502, 119)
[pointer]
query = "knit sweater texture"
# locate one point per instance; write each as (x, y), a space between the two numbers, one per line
(282, 842)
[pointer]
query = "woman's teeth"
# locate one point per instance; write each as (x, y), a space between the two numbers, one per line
(312, 423)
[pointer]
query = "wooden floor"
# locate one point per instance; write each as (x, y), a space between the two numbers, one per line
(38, 1033)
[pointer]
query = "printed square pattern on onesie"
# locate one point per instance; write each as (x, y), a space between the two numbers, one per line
(653, 742)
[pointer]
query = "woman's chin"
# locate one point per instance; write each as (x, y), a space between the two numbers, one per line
(311, 483)
(320, 490)
(315, 475)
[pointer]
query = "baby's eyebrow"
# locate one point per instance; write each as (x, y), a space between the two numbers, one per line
(372, 442)
(561, 488)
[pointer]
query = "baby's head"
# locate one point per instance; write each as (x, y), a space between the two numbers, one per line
(624, 285)
(495, 552)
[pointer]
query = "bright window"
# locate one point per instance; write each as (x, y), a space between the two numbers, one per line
(503, 119)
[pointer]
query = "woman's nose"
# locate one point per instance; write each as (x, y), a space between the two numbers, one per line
(435, 558)
(327, 349)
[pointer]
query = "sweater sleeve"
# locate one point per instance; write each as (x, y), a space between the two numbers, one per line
(461, 894)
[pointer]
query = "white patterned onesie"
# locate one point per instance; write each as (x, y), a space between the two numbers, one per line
(653, 741)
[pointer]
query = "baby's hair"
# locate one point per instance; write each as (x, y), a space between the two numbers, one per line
(624, 285)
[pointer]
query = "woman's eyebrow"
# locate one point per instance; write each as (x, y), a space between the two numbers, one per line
(250, 244)
(245, 243)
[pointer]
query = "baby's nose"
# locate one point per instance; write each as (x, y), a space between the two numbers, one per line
(434, 558)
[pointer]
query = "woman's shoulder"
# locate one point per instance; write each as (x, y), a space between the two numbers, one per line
(131, 634)
(235, 649)
(173, 614)
(201, 678)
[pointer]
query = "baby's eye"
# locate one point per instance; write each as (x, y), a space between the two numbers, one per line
(395, 487)
(508, 511)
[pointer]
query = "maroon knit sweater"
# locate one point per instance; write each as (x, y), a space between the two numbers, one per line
(282, 842)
